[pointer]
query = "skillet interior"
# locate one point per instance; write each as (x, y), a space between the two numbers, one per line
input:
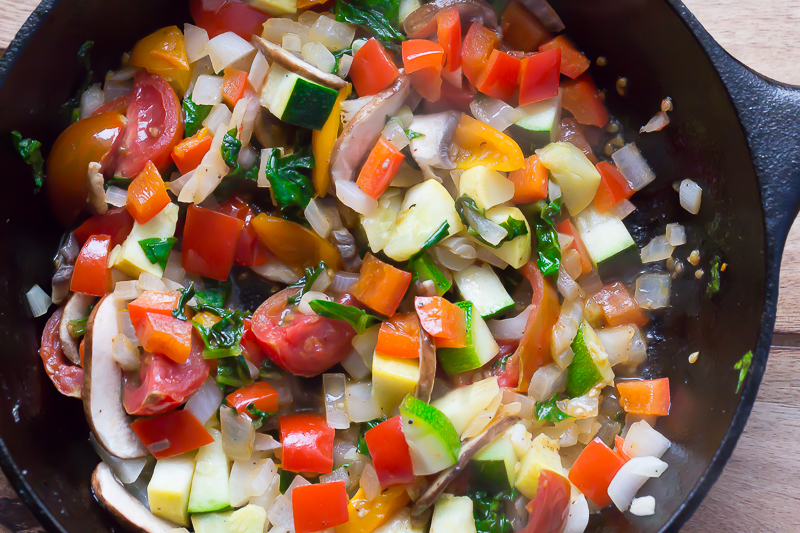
(44, 446)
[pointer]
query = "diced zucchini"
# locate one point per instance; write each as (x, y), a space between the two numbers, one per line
(129, 257)
(480, 349)
(378, 227)
(590, 364)
(463, 404)
(426, 270)
(296, 100)
(168, 490)
(516, 252)
(573, 172)
(210, 483)
(493, 466)
(425, 208)
(607, 240)
(481, 286)
(211, 522)
(275, 7)
(432, 439)
(402, 522)
(392, 379)
(543, 455)
(249, 519)
(487, 187)
(540, 122)
(453, 514)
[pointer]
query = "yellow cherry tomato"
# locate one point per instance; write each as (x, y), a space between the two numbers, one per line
(293, 244)
(163, 52)
(477, 143)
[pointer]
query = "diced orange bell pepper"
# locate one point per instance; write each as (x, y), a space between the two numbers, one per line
(593, 471)
(366, 515)
(443, 321)
(500, 77)
(161, 303)
(262, 395)
(421, 53)
(521, 30)
(619, 307)
(645, 397)
(147, 194)
(319, 507)
(234, 83)
(165, 335)
(91, 274)
(573, 63)
(381, 286)
(293, 244)
(476, 51)
(372, 69)
(190, 152)
(448, 33)
(399, 337)
(382, 164)
(567, 228)
(534, 346)
(477, 143)
(613, 187)
(530, 182)
(581, 98)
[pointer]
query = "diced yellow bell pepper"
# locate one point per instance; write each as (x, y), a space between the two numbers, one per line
(480, 144)
(322, 142)
(206, 319)
(366, 515)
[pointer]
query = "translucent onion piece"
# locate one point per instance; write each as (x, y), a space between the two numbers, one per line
(355, 366)
(566, 327)
(126, 326)
(126, 290)
(114, 89)
(395, 134)
(351, 107)
(510, 329)
(277, 271)
(564, 359)
(249, 118)
(345, 62)
(564, 240)
(451, 260)
(652, 290)
(275, 28)
(633, 167)
(220, 116)
(366, 342)
(591, 282)
(691, 195)
(304, 305)
(657, 250)
(116, 196)
(238, 434)
(553, 190)
(38, 300)
(631, 477)
(263, 181)
(237, 491)
(318, 55)
(487, 256)
(567, 286)
(676, 234)
(176, 184)
(258, 72)
(308, 18)
(578, 514)
(332, 34)
(494, 112)
(319, 218)
(460, 246)
(149, 282)
(126, 470)
(207, 90)
(644, 506)
(370, 483)
(125, 353)
(623, 344)
(340, 474)
(520, 439)
(657, 123)
(343, 281)
(265, 443)
(527, 404)
(546, 382)
(91, 99)
(298, 481)
(622, 209)
(292, 43)
(350, 195)
(174, 270)
(361, 404)
(344, 451)
(261, 477)
(280, 512)
(227, 48)
(196, 40)
(644, 441)
(268, 498)
(335, 412)
(205, 402)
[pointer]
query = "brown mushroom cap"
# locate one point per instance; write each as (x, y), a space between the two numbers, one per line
(77, 307)
(421, 23)
(292, 63)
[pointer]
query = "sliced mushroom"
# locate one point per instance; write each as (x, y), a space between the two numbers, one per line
(432, 149)
(468, 451)
(346, 244)
(97, 194)
(77, 307)
(102, 386)
(297, 65)
(361, 133)
(427, 367)
(422, 23)
(128, 511)
(65, 265)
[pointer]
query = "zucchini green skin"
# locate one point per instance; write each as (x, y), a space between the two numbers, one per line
(309, 104)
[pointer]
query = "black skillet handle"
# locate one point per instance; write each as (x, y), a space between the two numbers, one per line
(770, 113)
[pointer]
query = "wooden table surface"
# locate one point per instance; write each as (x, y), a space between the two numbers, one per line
(759, 491)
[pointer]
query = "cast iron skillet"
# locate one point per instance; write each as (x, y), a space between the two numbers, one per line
(732, 130)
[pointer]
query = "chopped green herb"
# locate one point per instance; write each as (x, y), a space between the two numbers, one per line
(381, 17)
(291, 187)
(222, 339)
(548, 248)
(337, 56)
(362, 447)
(286, 479)
(258, 416)
(194, 115)
(413, 135)
(232, 372)
(306, 282)
(214, 296)
(230, 148)
(475, 219)
(549, 412)
(77, 327)
(441, 233)
(186, 295)
(489, 511)
(72, 106)
(713, 285)
(360, 320)
(30, 151)
(157, 250)
(118, 181)
(743, 366)
(268, 370)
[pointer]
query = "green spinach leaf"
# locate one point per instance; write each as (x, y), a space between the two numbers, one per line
(222, 339)
(157, 250)
(548, 248)
(232, 372)
(489, 511)
(215, 294)
(194, 115)
(360, 320)
(118, 181)
(291, 187)
(475, 219)
(549, 412)
(30, 151)
(361, 446)
(306, 282)
(186, 295)
(381, 17)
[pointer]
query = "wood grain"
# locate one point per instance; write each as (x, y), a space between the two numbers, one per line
(758, 491)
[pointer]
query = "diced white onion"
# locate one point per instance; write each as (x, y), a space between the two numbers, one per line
(657, 250)
(578, 516)
(332, 34)
(451, 260)
(196, 40)
(546, 382)
(395, 134)
(319, 56)
(308, 18)
(263, 181)
(353, 197)
(208, 174)
(176, 184)
(251, 110)
(370, 483)
(126, 290)
(656, 123)
(149, 282)
(623, 344)
(258, 72)
(340, 474)
(125, 353)
(631, 477)
(564, 359)
(276, 27)
(277, 271)
(247, 157)
(237, 491)
(116, 196)
(510, 329)
(644, 506)
(351, 107)
(553, 190)
(261, 477)
(357, 44)
(652, 290)
(304, 305)
(520, 439)
(335, 412)
(238, 434)
(345, 62)
(319, 218)
(265, 443)
(174, 270)
(343, 281)
(126, 470)
(355, 366)
(292, 43)
(460, 247)
(644, 441)
(494, 112)
(205, 402)
(113, 89)
(298, 481)
(220, 115)
(487, 256)
(633, 167)
(280, 512)
(623, 208)
(227, 48)
(591, 282)
(361, 404)
(91, 99)
(565, 240)
(38, 300)
(199, 68)
(691, 194)
(527, 404)
(566, 327)
(365, 343)
(268, 498)
(207, 90)
(676, 234)
(125, 326)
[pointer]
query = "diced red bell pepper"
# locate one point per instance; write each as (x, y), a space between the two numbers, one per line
(165, 335)
(161, 303)
(448, 33)
(381, 166)
(581, 98)
(399, 337)
(372, 69)
(530, 182)
(619, 443)
(444, 321)
(262, 395)
(421, 53)
(567, 228)
(500, 78)
(478, 46)
(190, 152)
(116, 223)
(521, 30)
(390, 455)
(613, 187)
(619, 307)
(573, 63)
(319, 507)
(307, 442)
(147, 194)
(538, 76)
(209, 242)
(381, 286)
(428, 83)
(234, 83)
(593, 471)
(645, 397)
(250, 251)
(91, 274)
(171, 434)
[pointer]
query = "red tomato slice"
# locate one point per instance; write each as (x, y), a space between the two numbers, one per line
(67, 378)
(250, 251)
(171, 434)
(155, 125)
(220, 16)
(164, 384)
(307, 443)
(390, 455)
(549, 509)
(209, 242)
(116, 223)
(305, 345)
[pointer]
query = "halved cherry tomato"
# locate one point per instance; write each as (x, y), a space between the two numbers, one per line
(91, 140)
(250, 251)
(593, 471)
(190, 152)
(390, 454)
(162, 303)
(506, 365)
(305, 345)
(180, 431)
(538, 77)
(521, 30)
(530, 182)
(209, 242)
(399, 337)
(619, 307)
(477, 143)
(567, 228)
(442, 320)
(534, 346)
(428, 83)
(421, 53)
(319, 507)
(67, 378)
(581, 98)
(381, 166)
(448, 33)
(147, 194)
(162, 384)
(613, 187)
(293, 244)
(166, 335)
(155, 125)
(91, 274)
(573, 63)
(220, 16)
(163, 52)
(381, 286)
(116, 223)
(645, 397)
(548, 511)
(476, 50)
(307, 443)
(262, 395)
(234, 83)
(372, 69)
(500, 77)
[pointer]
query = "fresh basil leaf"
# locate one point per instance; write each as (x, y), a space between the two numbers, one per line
(157, 250)
(30, 151)
(72, 106)
(413, 135)
(186, 294)
(231, 146)
(214, 296)
(292, 188)
(194, 115)
(713, 285)
(360, 320)
(489, 511)
(361, 446)
(232, 372)
(548, 248)
(381, 17)
(549, 412)
(306, 282)
(743, 366)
